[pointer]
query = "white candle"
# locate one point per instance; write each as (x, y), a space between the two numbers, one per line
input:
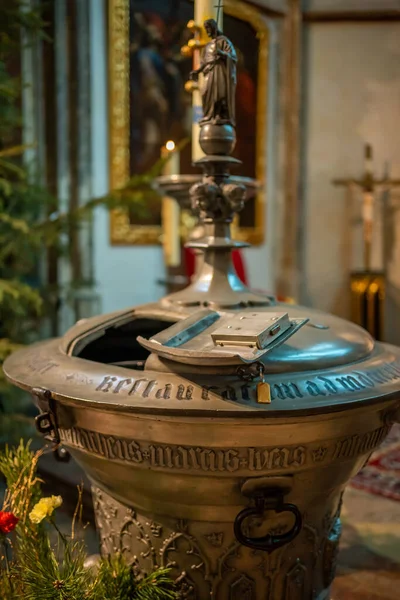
(172, 166)
(203, 10)
(170, 210)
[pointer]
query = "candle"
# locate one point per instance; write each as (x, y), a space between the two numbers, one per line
(172, 167)
(203, 10)
(170, 210)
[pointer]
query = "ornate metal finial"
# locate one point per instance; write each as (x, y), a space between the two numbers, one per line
(218, 195)
(218, 90)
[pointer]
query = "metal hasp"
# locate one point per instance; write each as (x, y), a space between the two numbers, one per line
(219, 427)
(254, 330)
(209, 337)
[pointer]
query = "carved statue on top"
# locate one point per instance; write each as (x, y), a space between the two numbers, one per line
(218, 66)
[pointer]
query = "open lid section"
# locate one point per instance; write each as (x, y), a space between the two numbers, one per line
(210, 337)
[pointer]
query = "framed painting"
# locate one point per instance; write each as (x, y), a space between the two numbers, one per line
(148, 104)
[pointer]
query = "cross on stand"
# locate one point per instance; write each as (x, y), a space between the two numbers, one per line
(218, 7)
(368, 287)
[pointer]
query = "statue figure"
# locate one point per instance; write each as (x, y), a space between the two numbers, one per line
(218, 65)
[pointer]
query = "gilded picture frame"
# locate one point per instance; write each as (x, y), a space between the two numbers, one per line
(122, 230)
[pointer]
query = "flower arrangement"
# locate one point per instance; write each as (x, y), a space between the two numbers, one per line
(34, 568)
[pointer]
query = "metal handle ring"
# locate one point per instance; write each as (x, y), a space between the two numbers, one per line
(268, 542)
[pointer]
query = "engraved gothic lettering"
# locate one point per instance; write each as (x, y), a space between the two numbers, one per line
(344, 448)
(184, 393)
(156, 456)
(328, 385)
(313, 389)
(181, 458)
(356, 444)
(121, 384)
(133, 452)
(165, 392)
(350, 383)
(110, 446)
(231, 460)
(85, 440)
(94, 442)
(298, 457)
(365, 379)
(285, 390)
(390, 371)
(278, 458)
(168, 457)
(149, 387)
(118, 449)
(205, 391)
(193, 458)
(136, 386)
(245, 392)
(106, 384)
(377, 376)
(229, 393)
(204, 459)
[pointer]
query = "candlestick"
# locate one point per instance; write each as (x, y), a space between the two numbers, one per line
(170, 210)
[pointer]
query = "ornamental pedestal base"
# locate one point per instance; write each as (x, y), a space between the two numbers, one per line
(207, 562)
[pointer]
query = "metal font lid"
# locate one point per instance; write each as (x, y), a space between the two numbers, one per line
(329, 364)
(206, 349)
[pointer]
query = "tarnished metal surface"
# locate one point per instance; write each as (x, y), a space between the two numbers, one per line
(317, 370)
(239, 492)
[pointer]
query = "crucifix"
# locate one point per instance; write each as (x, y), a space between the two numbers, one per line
(218, 7)
(368, 286)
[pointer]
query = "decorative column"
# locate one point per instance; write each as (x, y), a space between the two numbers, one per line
(291, 247)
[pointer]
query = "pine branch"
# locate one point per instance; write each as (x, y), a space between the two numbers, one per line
(116, 580)
(43, 574)
(16, 291)
(156, 586)
(41, 571)
(18, 465)
(14, 150)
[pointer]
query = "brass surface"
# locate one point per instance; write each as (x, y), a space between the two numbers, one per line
(368, 291)
(319, 370)
(122, 231)
(209, 564)
(177, 452)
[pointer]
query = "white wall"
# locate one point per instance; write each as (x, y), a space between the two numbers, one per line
(127, 275)
(260, 263)
(352, 96)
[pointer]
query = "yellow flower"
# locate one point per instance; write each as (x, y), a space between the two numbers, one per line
(45, 508)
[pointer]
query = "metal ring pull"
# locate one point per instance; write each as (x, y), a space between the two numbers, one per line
(267, 499)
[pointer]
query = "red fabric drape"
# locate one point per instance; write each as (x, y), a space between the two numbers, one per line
(236, 258)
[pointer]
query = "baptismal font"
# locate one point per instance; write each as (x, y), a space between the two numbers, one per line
(218, 427)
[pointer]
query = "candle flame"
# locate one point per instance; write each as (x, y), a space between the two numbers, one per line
(170, 146)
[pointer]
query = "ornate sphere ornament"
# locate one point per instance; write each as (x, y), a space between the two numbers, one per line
(217, 139)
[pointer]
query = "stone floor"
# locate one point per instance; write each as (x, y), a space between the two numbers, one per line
(369, 557)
